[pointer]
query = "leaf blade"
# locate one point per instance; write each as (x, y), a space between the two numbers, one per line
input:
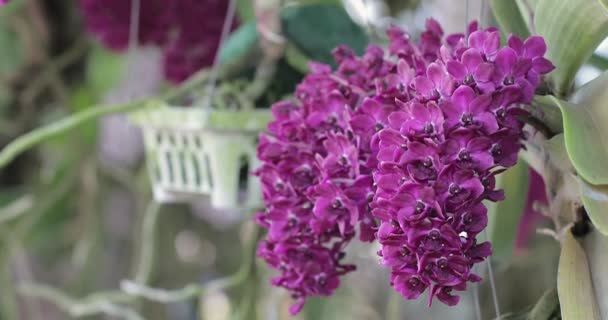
(545, 306)
(303, 24)
(241, 42)
(570, 44)
(595, 245)
(574, 287)
(509, 17)
(595, 200)
(584, 130)
(504, 217)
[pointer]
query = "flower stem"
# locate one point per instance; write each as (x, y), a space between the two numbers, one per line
(148, 243)
(76, 308)
(58, 128)
(194, 290)
(8, 300)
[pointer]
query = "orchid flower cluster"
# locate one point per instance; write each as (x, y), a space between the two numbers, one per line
(406, 146)
(188, 31)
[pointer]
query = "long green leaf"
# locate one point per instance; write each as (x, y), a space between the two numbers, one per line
(574, 287)
(12, 55)
(245, 10)
(545, 306)
(509, 17)
(595, 200)
(556, 151)
(503, 217)
(585, 130)
(596, 246)
(241, 42)
(547, 110)
(599, 62)
(317, 29)
(572, 29)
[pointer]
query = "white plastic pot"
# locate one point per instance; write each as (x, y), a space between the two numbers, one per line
(191, 152)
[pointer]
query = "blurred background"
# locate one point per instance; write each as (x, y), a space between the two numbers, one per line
(77, 215)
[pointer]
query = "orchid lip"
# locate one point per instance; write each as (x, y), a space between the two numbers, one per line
(454, 189)
(496, 150)
(464, 155)
(336, 204)
(434, 234)
(466, 119)
(468, 79)
(427, 162)
(420, 206)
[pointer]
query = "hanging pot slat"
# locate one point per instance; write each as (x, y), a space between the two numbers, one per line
(193, 152)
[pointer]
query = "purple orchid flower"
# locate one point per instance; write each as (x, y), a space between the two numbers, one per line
(342, 160)
(435, 84)
(487, 42)
(408, 284)
(422, 162)
(472, 69)
(456, 187)
(421, 120)
(468, 151)
(416, 203)
(371, 117)
(332, 207)
(469, 110)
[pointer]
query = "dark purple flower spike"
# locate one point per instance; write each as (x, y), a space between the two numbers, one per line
(410, 142)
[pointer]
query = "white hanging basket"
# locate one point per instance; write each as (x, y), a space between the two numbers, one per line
(191, 152)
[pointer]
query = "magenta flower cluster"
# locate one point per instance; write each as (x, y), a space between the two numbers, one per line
(406, 146)
(188, 31)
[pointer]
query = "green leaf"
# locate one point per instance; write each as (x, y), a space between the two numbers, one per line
(397, 6)
(556, 150)
(596, 245)
(585, 130)
(595, 200)
(504, 216)
(245, 10)
(509, 17)
(599, 62)
(524, 7)
(514, 316)
(547, 110)
(317, 29)
(12, 55)
(296, 59)
(104, 69)
(574, 287)
(604, 3)
(545, 307)
(572, 29)
(241, 42)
